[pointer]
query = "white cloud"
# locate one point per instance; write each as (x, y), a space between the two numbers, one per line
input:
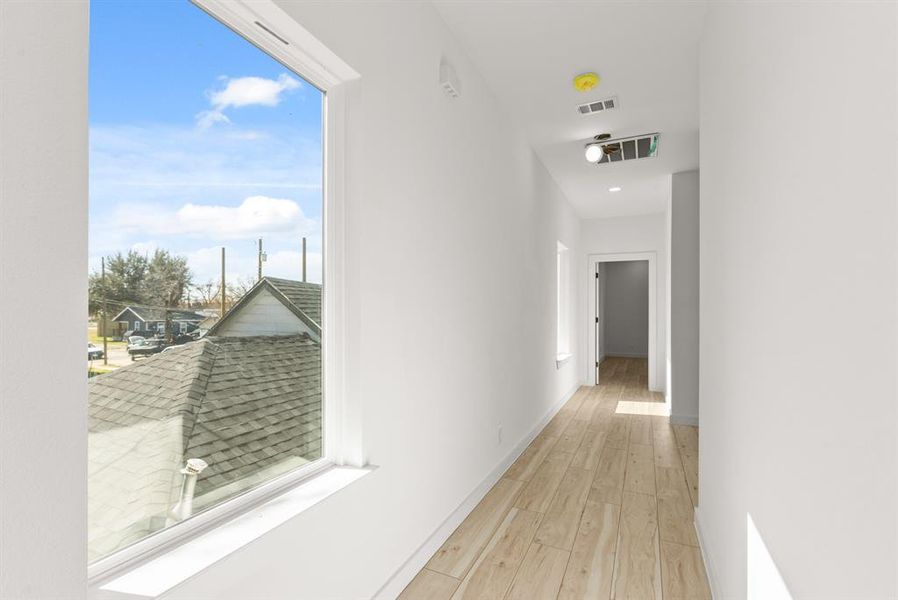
(255, 216)
(208, 118)
(141, 176)
(244, 91)
(248, 134)
(134, 162)
(145, 247)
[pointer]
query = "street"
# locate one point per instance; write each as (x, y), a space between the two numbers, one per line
(118, 357)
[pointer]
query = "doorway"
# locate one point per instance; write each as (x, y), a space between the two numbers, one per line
(622, 312)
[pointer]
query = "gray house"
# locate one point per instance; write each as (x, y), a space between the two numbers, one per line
(142, 318)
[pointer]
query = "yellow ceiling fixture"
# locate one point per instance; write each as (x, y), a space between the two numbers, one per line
(586, 81)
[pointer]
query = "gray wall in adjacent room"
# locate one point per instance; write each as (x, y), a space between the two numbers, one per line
(626, 296)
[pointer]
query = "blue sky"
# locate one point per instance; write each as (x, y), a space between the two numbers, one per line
(199, 140)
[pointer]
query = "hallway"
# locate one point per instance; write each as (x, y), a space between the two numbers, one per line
(600, 505)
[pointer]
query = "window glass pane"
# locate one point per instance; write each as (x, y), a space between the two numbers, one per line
(205, 189)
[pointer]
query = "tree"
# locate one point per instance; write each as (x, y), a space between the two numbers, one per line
(136, 279)
(125, 275)
(208, 294)
(238, 289)
(167, 279)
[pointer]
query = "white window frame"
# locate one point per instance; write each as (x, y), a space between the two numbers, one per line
(136, 325)
(182, 327)
(562, 304)
(259, 21)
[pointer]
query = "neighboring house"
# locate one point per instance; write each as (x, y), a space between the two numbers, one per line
(141, 318)
(206, 324)
(250, 407)
(245, 399)
(274, 307)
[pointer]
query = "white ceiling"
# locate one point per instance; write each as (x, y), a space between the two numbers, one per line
(646, 54)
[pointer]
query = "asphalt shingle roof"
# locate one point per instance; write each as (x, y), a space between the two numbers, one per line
(305, 296)
(249, 406)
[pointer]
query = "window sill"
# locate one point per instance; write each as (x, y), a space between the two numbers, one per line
(562, 358)
(161, 573)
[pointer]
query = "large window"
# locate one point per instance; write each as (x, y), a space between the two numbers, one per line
(206, 251)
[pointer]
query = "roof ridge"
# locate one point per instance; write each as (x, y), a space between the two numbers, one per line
(201, 389)
(270, 278)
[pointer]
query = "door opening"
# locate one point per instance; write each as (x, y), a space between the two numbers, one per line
(622, 315)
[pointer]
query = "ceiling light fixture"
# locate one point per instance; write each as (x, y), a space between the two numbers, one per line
(593, 153)
(614, 189)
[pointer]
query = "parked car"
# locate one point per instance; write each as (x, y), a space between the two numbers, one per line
(181, 340)
(145, 347)
(94, 352)
(139, 333)
(184, 338)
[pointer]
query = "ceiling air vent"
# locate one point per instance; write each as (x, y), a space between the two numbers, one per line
(629, 148)
(598, 106)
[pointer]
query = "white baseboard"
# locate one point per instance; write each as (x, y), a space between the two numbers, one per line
(401, 578)
(706, 556)
(684, 420)
(626, 355)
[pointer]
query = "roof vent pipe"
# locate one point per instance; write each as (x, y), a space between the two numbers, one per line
(184, 507)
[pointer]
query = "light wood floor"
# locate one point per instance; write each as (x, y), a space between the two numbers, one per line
(598, 506)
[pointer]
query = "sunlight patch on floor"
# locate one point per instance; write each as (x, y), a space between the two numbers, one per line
(652, 409)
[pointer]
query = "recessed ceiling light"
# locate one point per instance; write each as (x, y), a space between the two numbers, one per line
(614, 189)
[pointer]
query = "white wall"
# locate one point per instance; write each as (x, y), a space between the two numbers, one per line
(683, 215)
(263, 314)
(452, 235)
(454, 240)
(798, 295)
(452, 248)
(43, 248)
(643, 233)
(626, 308)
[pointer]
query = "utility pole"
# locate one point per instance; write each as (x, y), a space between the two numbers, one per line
(261, 258)
(223, 287)
(105, 320)
(303, 260)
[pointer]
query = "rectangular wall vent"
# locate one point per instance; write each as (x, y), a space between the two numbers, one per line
(631, 148)
(598, 106)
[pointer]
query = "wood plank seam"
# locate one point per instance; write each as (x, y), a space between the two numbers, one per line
(580, 522)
